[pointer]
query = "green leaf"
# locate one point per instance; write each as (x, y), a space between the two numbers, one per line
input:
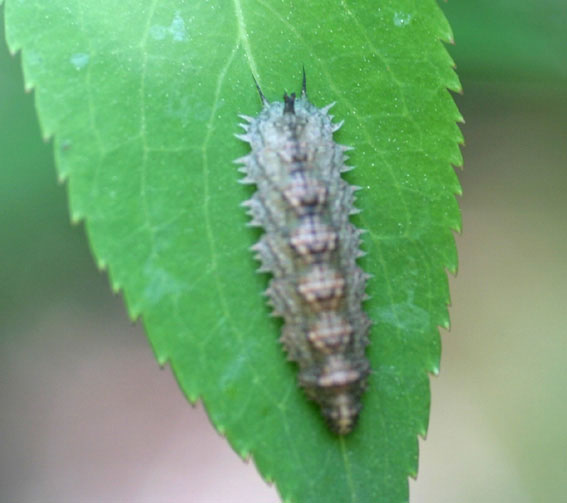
(141, 98)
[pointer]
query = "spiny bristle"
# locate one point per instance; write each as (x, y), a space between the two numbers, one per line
(328, 107)
(247, 181)
(242, 160)
(246, 118)
(337, 126)
(243, 137)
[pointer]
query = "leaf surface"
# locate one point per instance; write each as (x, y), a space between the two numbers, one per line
(141, 98)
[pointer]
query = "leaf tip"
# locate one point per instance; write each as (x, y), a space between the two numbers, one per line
(76, 218)
(193, 398)
(445, 323)
(101, 264)
(162, 359)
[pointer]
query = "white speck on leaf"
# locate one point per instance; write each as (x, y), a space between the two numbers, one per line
(176, 29)
(160, 283)
(402, 18)
(405, 316)
(158, 32)
(79, 60)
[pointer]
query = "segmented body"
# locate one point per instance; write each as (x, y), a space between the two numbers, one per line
(310, 247)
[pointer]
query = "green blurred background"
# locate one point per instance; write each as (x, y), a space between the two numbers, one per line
(87, 415)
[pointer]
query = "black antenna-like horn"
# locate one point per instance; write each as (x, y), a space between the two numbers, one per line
(262, 97)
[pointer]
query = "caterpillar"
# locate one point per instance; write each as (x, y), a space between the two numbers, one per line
(310, 247)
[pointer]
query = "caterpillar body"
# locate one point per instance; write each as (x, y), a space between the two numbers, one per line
(310, 247)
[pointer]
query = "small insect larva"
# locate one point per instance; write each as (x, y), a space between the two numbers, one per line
(310, 247)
